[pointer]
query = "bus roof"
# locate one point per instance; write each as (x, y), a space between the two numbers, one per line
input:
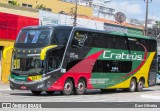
(92, 30)
(132, 35)
(116, 33)
(49, 26)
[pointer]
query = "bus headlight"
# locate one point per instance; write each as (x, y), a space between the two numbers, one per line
(44, 78)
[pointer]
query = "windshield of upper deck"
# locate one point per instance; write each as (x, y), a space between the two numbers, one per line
(33, 36)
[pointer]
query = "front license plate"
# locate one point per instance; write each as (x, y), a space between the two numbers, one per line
(23, 87)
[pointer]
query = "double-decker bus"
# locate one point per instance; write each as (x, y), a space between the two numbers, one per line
(72, 59)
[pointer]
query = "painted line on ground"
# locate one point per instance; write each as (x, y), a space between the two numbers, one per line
(150, 97)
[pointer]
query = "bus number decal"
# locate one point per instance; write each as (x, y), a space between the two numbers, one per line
(16, 64)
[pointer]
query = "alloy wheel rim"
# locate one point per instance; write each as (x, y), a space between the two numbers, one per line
(68, 87)
(132, 86)
(80, 87)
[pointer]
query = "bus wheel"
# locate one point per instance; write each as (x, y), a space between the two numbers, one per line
(36, 92)
(50, 92)
(140, 85)
(68, 87)
(132, 86)
(81, 87)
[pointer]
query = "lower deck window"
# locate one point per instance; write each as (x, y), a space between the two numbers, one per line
(110, 66)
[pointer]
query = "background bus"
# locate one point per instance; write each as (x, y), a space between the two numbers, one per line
(71, 60)
(158, 74)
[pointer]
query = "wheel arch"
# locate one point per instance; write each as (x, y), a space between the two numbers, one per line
(72, 79)
(135, 78)
(85, 80)
(143, 79)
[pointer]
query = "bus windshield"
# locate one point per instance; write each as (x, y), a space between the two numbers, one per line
(29, 65)
(41, 36)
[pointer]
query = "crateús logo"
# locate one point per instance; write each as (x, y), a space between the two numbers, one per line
(107, 54)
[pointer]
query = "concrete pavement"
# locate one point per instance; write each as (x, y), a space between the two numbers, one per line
(4, 86)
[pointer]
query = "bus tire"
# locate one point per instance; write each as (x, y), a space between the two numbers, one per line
(132, 86)
(140, 85)
(50, 92)
(68, 87)
(36, 92)
(81, 87)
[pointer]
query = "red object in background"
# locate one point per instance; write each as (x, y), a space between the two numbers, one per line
(11, 24)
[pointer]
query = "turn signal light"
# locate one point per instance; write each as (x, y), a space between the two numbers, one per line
(28, 79)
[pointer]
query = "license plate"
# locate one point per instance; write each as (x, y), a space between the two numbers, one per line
(23, 87)
(35, 78)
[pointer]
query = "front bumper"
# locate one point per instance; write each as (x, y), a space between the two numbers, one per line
(35, 85)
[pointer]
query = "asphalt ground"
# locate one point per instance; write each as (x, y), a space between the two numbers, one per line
(151, 94)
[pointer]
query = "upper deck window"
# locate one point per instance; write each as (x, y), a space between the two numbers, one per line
(34, 36)
(60, 36)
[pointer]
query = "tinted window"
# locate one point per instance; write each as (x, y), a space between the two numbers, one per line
(80, 38)
(100, 40)
(95, 40)
(145, 43)
(34, 36)
(54, 59)
(22, 37)
(112, 66)
(152, 45)
(61, 36)
(133, 44)
(120, 43)
(107, 40)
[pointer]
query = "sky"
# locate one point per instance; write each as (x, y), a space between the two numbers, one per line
(135, 8)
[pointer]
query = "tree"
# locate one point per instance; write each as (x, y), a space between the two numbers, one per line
(41, 7)
(15, 3)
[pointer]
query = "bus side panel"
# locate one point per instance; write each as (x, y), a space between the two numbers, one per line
(81, 69)
(143, 72)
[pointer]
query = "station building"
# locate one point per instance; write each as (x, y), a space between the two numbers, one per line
(55, 6)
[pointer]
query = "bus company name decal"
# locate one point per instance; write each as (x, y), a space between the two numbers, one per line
(124, 56)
